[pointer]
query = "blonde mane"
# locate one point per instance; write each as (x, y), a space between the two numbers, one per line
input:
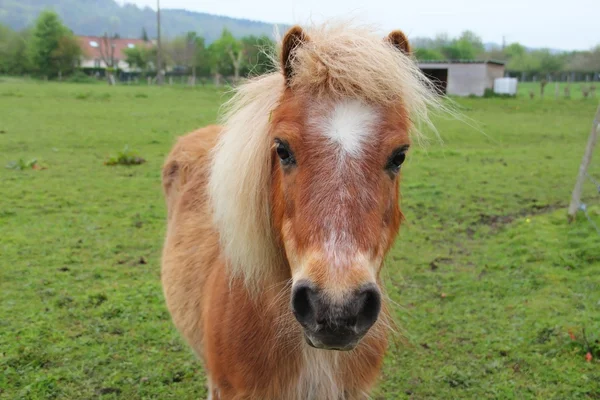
(337, 61)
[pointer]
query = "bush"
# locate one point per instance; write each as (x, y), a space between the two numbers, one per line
(22, 165)
(125, 157)
(81, 77)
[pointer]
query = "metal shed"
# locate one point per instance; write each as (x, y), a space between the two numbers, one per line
(463, 77)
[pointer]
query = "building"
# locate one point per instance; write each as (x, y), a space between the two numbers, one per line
(463, 77)
(96, 51)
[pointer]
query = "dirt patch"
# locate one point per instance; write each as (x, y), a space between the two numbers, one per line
(495, 222)
(435, 264)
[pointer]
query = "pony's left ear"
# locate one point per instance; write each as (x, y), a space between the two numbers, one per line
(399, 40)
(293, 39)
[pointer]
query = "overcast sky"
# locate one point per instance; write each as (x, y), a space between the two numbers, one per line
(573, 24)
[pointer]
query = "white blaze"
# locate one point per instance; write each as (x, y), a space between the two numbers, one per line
(349, 125)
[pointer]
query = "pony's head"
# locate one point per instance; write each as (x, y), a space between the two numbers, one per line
(306, 175)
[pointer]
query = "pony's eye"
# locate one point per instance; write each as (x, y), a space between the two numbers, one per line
(284, 153)
(396, 160)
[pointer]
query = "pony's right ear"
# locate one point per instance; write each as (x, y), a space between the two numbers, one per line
(399, 40)
(293, 39)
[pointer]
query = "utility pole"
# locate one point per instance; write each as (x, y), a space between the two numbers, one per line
(159, 76)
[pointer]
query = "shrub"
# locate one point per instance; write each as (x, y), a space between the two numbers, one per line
(22, 165)
(125, 157)
(81, 77)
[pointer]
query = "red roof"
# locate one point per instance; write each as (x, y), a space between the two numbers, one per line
(91, 45)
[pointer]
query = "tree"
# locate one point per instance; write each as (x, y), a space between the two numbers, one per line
(49, 49)
(107, 48)
(6, 38)
(217, 62)
(67, 54)
(256, 60)
(18, 52)
(197, 53)
(548, 63)
(467, 46)
(145, 35)
(425, 54)
(232, 48)
(584, 61)
(515, 50)
(140, 57)
(470, 44)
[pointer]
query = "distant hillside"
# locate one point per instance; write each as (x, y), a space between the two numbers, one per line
(94, 17)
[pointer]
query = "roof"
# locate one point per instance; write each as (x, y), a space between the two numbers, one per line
(91, 45)
(496, 62)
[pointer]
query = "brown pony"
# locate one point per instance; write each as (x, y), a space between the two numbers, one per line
(280, 218)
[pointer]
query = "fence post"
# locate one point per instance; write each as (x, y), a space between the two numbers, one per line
(585, 163)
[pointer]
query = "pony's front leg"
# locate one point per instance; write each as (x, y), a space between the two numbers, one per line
(213, 392)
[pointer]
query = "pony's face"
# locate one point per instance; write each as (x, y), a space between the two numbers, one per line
(335, 185)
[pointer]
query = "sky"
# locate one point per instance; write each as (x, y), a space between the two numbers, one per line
(571, 25)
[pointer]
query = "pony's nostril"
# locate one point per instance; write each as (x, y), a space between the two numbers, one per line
(303, 303)
(370, 305)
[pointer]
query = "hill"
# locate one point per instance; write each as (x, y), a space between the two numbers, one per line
(94, 17)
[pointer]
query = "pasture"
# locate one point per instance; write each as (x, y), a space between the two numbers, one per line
(496, 295)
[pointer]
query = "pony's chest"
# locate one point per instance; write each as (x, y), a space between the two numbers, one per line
(320, 375)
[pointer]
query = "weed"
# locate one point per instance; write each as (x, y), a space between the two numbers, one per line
(125, 157)
(21, 165)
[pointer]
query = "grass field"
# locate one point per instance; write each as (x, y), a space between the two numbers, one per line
(493, 288)
(550, 90)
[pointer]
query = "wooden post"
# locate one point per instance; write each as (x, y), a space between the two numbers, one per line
(556, 92)
(585, 163)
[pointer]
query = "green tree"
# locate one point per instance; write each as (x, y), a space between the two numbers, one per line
(470, 44)
(228, 52)
(18, 50)
(140, 57)
(196, 50)
(256, 50)
(50, 52)
(548, 63)
(145, 35)
(427, 54)
(467, 46)
(218, 62)
(515, 50)
(6, 37)
(67, 54)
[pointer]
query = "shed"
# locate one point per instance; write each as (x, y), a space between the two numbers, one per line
(463, 77)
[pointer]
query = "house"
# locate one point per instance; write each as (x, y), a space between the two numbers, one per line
(463, 77)
(97, 51)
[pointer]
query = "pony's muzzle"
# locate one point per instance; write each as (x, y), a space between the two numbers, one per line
(335, 324)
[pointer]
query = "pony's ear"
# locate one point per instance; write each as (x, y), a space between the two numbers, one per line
(399, 40)
(294, 38)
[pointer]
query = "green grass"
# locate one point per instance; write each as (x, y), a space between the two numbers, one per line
(550, 90)
(487, 276)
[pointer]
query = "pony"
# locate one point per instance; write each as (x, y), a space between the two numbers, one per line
(279, 218)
